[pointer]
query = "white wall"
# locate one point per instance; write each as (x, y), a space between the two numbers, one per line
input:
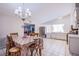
(10, 24)
(66, 20)
(52, 19)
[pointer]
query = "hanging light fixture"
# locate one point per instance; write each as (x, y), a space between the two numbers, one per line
(23, 13)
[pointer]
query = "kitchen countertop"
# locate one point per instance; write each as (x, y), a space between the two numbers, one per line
(73, 35)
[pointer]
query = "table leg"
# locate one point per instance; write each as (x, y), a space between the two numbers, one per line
(40, 52)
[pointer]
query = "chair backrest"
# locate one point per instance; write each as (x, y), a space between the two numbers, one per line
(39, 42)
(14, 34)
(10, 41)
(31, 34)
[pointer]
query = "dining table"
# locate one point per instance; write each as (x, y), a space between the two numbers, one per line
(23, 43)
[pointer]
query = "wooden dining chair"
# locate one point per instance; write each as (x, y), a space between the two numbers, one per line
(31, 48)
(9, 44)
(36, 47)
(9, 47)
(39, 46)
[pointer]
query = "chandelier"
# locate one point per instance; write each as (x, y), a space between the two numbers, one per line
(23, 13)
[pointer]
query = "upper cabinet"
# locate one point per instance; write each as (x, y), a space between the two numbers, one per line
(77, 12)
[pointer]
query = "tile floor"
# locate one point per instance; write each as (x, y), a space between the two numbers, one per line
(55, 48)
(52, 47)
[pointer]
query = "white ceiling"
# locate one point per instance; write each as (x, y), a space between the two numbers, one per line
(41, 12)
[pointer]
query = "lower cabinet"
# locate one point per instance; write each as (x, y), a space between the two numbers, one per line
(73, 41)
(61, 36)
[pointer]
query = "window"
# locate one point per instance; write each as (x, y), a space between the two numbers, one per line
(58, 28)
(55, 28)
(48, 29)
